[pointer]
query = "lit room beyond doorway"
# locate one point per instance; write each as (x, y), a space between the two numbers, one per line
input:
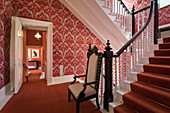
(35, 57)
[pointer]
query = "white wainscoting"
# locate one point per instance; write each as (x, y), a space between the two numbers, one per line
(61, 79)
(5, 95)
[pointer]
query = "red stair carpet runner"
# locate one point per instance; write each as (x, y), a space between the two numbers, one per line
(151, 92)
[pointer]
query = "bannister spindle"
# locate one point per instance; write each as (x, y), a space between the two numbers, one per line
(119, 10)
(138, 21)
(133, 20)
(119, 73)
(123, 17)
(113, 7)
(123, 70)
(105, 3)
(115, 94)
(127, 62)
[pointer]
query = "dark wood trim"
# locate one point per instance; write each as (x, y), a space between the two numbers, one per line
(108, 96)
(136, 34)
(142, 9)
(156, 22)
(125, 7)
(133, 20)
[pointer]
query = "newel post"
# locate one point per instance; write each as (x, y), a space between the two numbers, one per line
(108, 96)
(133, 20)
(156, 22)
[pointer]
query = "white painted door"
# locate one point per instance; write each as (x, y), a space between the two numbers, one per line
(18, 79)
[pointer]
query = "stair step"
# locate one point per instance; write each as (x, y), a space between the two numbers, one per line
(143, 105)
(139, 68)
(164, 45)
(162, 52)
(167, 39)
(160, 40)
(155, 79)
(159, 69)
(154, 93)
(160, 60)
(123, 109)
(120, 94)
(126, 86)
(133, 76)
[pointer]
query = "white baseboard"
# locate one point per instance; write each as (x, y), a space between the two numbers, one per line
(61, 79)
(5, 95)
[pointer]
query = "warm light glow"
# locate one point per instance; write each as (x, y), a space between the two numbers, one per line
(38, 36)
(19, 33)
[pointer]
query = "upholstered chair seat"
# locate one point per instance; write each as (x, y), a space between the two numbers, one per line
(78, 87)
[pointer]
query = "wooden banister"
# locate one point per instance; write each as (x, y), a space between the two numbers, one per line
(136, 34)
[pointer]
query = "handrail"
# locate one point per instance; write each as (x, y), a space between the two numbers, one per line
(129, 12)
(142, 9)
(136, 34)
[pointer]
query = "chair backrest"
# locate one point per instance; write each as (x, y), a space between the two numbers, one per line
(93, 66)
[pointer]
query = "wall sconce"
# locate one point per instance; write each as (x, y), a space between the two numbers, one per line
(37, 36)
(19, 33)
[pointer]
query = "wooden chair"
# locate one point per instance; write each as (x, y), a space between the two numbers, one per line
(88, 90)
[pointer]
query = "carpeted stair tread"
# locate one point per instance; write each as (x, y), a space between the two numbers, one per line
(162, 52)
(166, 39)
(157, 94)
(143, 105)
(164, 45)
(160, 60)
(154, 79)
(123, 109)
(155, 68)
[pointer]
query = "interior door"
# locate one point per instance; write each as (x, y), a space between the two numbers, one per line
(45, 53)
(18, 79)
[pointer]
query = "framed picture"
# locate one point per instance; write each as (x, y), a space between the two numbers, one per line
(35, 53)
(29, 53)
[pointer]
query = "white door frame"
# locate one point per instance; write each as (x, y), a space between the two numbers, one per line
(48, 26)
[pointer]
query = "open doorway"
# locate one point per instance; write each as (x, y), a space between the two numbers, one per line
(35, 55)
(18, 33)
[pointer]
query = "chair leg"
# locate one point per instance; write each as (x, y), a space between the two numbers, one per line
(69, 96)
(77, 107)
(97, 102)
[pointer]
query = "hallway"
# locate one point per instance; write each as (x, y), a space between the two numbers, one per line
(36, 97)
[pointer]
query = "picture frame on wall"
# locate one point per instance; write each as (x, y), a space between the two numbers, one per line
(35, 53)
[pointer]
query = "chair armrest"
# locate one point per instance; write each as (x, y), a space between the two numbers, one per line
(77, 77)
(82, 94)
(89, 83)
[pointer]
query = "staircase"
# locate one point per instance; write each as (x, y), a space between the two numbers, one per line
(151, 91)
(103, 25)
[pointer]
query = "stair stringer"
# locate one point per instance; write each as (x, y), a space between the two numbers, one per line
(97, 21)
(132, 77)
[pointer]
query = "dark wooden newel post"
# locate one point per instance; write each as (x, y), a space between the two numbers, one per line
(108, 96)
(133, 20)
(156, 22)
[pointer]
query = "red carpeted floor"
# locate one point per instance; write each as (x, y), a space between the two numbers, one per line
(151, 93)
(36, 97)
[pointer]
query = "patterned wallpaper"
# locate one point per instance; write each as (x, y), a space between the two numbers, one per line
(164, 15)
(70, 36)
(5, 19)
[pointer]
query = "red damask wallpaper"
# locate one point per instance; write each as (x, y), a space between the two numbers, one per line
(164, 15)
(5, 19)
(70, 36)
